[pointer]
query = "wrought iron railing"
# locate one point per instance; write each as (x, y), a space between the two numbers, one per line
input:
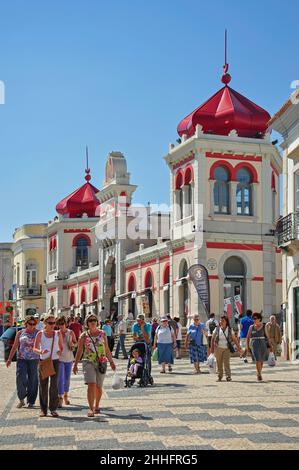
(287, 228)
(33, 291)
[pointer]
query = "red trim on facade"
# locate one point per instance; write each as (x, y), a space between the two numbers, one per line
(94, 279)
(83, 295)
(226, 165)
(95, 292)
(181, 249)
(132, 268)
(274, 169)
(132, 284)
(164, 258)
(72, 298)
(278, 250)
(183, 162)
(179, 180)
(235, 246)
(166, 274)
(77, 230)
(72, 286)
(258, 278)
(249, 167)
(213, 276)
(149, 273)
(229, 156)
(279, 281)
(149, 263)
(188, 175)
(52, 289)
(65, 287)
(81, 235)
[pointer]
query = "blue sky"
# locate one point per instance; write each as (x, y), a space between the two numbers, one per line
(120, 75)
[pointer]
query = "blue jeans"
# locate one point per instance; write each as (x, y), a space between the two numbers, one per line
(27, 380)
(121, 344)
(65, 370)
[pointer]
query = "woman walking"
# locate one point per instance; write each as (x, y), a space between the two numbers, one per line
(178, 338)
(165, 342)
(222, 345)
(194, 340)
(257, 340)
(93, 345)
(66, 360)
(48, 345)
(27, 362)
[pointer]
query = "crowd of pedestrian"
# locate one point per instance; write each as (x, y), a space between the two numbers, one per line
(49, 350)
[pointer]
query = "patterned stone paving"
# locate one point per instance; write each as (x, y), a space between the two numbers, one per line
(181, 411)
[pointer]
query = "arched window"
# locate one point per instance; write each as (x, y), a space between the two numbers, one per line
(82, 252)
(234, 288)
(244, 192)
(95, 292)
(83, 296)
(188, 178)
(131, 283)
(72, 298)
(221, 191)
(183, 292)
(166, 288)
(149, 284)
(179, 195)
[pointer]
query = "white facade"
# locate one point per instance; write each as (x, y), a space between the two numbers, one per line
(6, 271)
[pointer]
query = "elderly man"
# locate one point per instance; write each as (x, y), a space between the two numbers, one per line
(274, 334)
(121, 328)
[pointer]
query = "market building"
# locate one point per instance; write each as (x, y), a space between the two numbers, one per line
(286, 122)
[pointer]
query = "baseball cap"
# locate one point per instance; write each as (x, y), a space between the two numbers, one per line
(140, 316)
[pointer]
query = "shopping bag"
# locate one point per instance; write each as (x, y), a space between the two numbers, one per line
(211, 363)
(117, 382)
(271, 359)
(155, 355)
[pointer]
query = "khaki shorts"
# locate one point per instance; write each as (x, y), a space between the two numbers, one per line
(243, 343)
(92, 374)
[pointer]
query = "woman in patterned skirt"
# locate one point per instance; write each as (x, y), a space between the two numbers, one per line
(257, 341)
(197, 351)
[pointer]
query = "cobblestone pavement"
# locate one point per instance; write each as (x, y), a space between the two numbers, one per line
(181, 411)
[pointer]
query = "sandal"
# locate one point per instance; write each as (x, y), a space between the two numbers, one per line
(169, 369)
(54, 414)
(97, 411)
(228, 379)
(60, 402)
(42, 414)
(90, 414)
(162, 372)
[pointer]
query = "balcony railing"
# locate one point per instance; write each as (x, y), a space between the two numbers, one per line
(287, 228)
(33, 291)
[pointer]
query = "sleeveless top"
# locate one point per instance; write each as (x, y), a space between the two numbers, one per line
(98, 341)
(46, 343)
(257, 334)
(67, 354)
(26, 343)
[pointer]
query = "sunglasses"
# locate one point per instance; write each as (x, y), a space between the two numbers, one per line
(51, 322)
(92, 321)
(31, 324)
(196, 319)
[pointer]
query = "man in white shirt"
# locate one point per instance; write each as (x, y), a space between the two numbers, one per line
(211, 324)
(121, 328)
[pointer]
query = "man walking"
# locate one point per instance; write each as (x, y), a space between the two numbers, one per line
(274, 334)
(245, 324)
(122, 331)
(211, 324)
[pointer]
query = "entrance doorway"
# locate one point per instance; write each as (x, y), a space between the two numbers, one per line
(234, 289)
(296, 316)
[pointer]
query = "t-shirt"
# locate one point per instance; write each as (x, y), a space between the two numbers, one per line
(76, 328)
(121, 327)
(164, 334)
(179, 332)
(246, 322)
(211, 325)
(107, 329)
(195, 333)
(137, 329)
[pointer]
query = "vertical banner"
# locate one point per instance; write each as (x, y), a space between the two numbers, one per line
(200, 278)
(238, 304)
(228, 307)
(145, 305)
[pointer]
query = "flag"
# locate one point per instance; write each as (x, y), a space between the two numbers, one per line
(200, 278)
(238, 304)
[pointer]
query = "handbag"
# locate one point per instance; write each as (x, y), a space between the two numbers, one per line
(229, 344)
(101, 366)
(46, 366)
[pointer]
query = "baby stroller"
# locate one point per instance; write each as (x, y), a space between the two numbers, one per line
(143, 372)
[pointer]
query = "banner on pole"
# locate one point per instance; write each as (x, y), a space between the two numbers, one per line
(200, 278)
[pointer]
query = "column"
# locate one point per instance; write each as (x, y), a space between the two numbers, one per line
(233, 197)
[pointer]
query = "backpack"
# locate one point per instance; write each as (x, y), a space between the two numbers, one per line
(212, 326)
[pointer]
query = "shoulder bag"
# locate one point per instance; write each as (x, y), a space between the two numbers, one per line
(101, 366)
(229, 344)
(46, 366)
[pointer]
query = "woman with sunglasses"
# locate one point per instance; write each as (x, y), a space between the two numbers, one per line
(48, 344)
(93, 345)
(257, 341)
(66, 360)
(27, 362)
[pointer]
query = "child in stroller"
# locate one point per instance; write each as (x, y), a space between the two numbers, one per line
(139, 366)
